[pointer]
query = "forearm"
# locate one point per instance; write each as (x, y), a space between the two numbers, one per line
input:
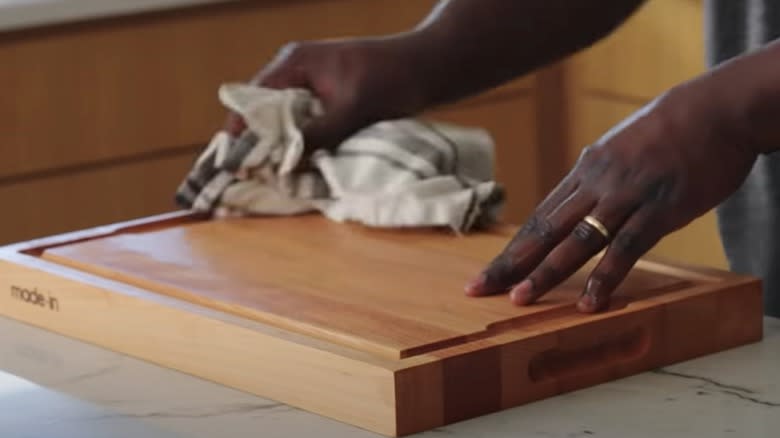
(747, 89)
(467, 46)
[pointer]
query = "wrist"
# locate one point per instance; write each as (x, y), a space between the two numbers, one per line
(718, 102)
(399, 71)
(759, 118)
(748, 90)
(423, 54)
(446, 64)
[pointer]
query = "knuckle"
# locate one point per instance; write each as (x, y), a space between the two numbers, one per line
(292, 49)
(627, 243)
(544, 230)
(526, 228)
(594, 163)
(587, 154)
(287, 58)
(518, 258)
(296, 53)
(631, 245)
(659, 188)
(538, 227)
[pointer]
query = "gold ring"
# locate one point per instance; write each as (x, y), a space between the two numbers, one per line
(595, 223)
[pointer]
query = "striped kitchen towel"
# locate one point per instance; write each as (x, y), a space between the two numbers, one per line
(396, 173)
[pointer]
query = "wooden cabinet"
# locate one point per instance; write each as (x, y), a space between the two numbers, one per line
(659, 46)
(101, 120)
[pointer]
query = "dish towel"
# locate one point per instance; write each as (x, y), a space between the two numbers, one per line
(396, 173)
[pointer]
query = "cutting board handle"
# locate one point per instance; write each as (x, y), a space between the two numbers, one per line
(604, 349)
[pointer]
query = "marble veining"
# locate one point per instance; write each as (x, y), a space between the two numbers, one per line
(216, 411)
(56, 387)
(706, 383)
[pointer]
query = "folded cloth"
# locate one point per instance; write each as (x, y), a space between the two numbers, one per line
(397, 173)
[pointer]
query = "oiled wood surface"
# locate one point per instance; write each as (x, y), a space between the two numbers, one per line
(389, 292)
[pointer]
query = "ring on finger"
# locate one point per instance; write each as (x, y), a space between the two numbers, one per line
(595, 223)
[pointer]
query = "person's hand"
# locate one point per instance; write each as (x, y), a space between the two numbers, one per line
(358, 81)
(664, 166)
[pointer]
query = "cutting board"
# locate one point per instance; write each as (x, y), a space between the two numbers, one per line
(366, 326)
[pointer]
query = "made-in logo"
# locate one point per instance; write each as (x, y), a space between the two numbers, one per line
(35, 297)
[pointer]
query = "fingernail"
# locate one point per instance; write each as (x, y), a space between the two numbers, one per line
(474, 287)
(584, 306)
(590, 302)
(588, 299)
(522, 293)
(592, 299)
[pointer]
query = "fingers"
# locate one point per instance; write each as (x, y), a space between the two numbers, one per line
(550, 248)
(574, 251)
(278, 78)
(637, 236)
(500, 272)
(559, 195)
(284, 69)
(540, 234)
(279, 73)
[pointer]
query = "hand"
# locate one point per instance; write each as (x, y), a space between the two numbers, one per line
(664, 166)
(358, 81)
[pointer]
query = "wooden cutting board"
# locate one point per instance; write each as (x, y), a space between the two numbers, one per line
(370, 327)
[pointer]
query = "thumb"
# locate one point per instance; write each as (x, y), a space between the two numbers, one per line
(278, 77)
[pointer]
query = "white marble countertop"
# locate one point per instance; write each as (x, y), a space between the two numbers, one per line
(23, 14)
(55, 387)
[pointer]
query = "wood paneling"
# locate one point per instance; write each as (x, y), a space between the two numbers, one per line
(127, 86)
(112, 90)
(698, 243)
(119, 89)
(661, 45)
(511, 122)
(60, 203)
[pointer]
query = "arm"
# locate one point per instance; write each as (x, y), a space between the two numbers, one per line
(661, 168)
(747, 88)
(461, 48)
(479, 44)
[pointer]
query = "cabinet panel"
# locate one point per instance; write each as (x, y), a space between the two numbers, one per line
(63, 203)
(511, 122)
(659, 47)
(59, 203)
(123, 87)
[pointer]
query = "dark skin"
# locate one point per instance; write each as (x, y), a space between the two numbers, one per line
(665, 166)
(661, 168)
